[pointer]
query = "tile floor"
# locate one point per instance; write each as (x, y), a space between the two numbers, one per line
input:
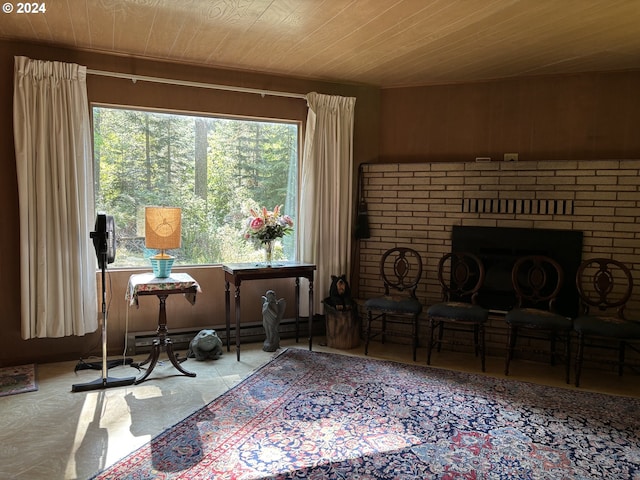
(55, 433)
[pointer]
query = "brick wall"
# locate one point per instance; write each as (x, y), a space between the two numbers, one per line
(416, 204)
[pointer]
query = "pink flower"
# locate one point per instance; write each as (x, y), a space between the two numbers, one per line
(257, 223)
(265, 225)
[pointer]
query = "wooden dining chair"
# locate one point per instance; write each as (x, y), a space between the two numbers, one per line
(537, 280)
(401, 271)
(605, 286)
(461, 275)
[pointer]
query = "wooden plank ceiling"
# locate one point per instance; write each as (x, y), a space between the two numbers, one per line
(386, 43)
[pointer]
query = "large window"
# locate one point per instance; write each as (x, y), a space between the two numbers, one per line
(215, 169)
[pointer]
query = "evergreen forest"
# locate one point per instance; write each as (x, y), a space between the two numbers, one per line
(215, 169)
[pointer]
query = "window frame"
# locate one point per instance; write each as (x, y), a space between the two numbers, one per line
(299, 124)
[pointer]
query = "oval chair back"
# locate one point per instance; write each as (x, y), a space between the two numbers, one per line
(605, 286)
(604, 283)
(461, 276)
(537, 281)
(401, 271)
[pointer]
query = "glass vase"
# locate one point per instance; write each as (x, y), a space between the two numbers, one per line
(268, 253)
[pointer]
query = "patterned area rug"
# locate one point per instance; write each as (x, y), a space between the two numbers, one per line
(19, 379)
(326, 416)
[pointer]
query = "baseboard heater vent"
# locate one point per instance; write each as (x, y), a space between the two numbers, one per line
(140, 342)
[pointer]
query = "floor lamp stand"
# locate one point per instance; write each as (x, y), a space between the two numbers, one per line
(105, 381)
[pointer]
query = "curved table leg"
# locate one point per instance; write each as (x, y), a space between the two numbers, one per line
(162, 342)
(153, 358)
(174, 360)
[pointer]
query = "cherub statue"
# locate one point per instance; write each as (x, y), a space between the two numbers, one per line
(272, 313)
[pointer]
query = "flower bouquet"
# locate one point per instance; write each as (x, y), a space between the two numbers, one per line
(266, 226)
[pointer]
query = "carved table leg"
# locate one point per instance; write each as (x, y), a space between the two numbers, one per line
(153, 358)
(161, 342)
(310, 313)
(297, 308)
(174, 360)
(238, 321)
(227, 313)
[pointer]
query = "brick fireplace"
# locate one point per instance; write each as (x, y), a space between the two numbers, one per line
(419, 204)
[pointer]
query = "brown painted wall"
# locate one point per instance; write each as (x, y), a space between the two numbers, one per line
(585, 117)
(209, 308)
(572, 117)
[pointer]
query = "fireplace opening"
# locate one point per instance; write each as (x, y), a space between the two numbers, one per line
(500, 247)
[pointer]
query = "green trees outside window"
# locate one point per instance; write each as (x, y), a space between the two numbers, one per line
(215, 169)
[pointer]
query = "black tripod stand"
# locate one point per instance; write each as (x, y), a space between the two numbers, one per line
(100, 241)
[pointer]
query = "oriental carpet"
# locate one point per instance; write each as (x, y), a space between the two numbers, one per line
(327, 416)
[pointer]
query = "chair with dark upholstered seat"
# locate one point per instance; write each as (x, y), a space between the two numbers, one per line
(605, 287)
(537, 280)
(461, 275)
(401, 270)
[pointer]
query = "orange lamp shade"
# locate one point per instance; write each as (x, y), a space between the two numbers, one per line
(163, 227)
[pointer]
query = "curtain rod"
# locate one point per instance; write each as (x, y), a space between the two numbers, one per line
(186, 83)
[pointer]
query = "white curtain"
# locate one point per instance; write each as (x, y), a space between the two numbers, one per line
(55, 188)
(324, 225)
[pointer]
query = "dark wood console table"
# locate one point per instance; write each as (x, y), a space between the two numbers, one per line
(148, 284)
(237, 272)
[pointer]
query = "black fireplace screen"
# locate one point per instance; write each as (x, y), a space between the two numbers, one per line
(500, 247)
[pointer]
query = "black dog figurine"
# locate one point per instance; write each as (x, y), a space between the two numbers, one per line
(339, 293)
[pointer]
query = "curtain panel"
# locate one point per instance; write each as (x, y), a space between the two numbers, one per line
(52, 136)
(324, 225)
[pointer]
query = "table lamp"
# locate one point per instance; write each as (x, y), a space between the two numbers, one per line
(162, 232)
